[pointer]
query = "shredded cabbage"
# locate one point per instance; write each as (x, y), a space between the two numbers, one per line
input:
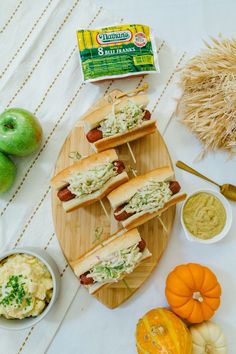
(151, 197)
(129, 117)
(114, 266)
(91, 180)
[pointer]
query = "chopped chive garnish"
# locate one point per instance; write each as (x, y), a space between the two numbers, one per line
(15, 292)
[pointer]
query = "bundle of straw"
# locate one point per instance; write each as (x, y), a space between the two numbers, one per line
(208, 104)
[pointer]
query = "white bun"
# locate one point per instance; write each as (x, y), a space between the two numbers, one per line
(60, 180)
(91, 198)
(93, 288)
(147, 127)
(112, 244)
(93, 119)
(123, 193)
(142, 217)
(83, 165)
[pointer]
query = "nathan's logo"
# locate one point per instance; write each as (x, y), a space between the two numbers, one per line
(114, 37)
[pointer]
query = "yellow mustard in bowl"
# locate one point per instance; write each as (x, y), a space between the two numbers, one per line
(204, 215)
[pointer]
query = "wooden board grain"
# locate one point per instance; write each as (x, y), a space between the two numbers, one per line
(76, 230)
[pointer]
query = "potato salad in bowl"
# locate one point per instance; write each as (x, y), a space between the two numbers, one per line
(27, 286)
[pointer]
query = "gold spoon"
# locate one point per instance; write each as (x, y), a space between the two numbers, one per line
(228, 190)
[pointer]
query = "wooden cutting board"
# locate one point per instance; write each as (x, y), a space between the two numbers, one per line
(76, 231)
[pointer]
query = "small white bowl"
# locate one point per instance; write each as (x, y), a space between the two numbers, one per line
(228, 222)
(17, 324)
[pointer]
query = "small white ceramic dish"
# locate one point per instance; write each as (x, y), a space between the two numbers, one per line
(52, 267)
(228, 222)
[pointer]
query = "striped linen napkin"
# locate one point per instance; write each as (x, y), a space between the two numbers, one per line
(39, 71)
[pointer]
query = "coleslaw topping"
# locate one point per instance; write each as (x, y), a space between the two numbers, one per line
(131, 116)
(151, 197)
(91, 180)
(114, 266)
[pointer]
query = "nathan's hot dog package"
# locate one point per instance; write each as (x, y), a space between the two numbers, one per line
(116, 52)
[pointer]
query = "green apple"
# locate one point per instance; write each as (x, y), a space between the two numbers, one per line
(7, 173)
(20, 132)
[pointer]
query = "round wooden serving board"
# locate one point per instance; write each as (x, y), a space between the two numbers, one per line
(76, 230)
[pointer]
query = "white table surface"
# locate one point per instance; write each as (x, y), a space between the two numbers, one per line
(89, 327)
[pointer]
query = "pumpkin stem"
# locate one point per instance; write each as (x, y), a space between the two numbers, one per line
(209, 349)
(197, 296)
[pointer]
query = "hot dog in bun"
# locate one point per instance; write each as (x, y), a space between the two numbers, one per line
(116, 123)
(111, 261)
(89, 179)
(145, 197)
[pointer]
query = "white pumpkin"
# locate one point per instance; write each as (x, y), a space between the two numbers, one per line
(208, 338)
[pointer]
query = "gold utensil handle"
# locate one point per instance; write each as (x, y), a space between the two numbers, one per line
(189, 169)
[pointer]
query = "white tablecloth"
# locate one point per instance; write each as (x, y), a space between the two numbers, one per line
(91, 328)
(39, 72)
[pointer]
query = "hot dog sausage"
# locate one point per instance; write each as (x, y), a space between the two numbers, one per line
(86, 280)
(94, 135)
(64, 195)
(119, 166)
(123, 215)
(142, 245)
(89, 280)
(174, 187)
(147, 115)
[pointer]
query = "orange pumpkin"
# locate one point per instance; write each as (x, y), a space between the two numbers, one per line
(193, 292)
(161, 331)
